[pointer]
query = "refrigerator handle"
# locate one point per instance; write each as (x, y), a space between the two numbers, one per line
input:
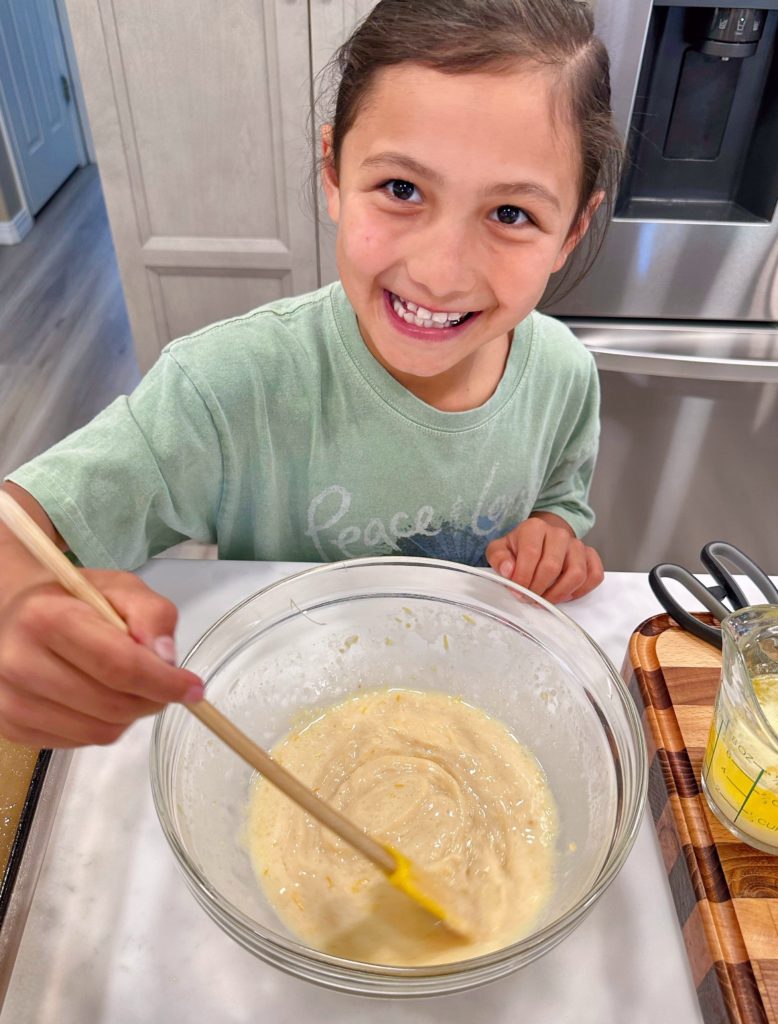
(690, 350)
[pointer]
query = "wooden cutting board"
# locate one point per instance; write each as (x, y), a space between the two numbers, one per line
(725, 892)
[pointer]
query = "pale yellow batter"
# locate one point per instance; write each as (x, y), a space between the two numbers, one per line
(440, 781)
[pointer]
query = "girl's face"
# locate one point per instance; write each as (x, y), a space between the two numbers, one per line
(454, 200)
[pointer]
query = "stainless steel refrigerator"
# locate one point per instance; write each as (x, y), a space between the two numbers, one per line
(681, 306)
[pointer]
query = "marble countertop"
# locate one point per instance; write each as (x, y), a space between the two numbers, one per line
(114, 936)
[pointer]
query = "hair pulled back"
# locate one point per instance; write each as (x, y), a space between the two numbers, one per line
(461, 36)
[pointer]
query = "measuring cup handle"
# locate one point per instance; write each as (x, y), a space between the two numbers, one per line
(684, 618)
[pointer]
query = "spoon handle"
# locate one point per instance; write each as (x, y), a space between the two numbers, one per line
(289, 784)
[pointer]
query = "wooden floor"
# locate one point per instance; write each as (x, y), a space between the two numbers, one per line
(65, 344)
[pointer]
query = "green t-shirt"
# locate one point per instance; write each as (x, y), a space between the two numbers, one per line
(277, 435)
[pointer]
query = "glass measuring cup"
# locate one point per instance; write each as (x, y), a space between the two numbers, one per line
(740, 769)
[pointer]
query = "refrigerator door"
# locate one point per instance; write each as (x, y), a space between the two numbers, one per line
(694, 237)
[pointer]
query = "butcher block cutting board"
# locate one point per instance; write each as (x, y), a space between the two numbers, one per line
(725, 892)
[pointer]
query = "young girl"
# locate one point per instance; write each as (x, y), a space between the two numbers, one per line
(418, 406)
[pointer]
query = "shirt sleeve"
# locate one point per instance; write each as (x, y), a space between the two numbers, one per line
(565, 489)
(144, 474)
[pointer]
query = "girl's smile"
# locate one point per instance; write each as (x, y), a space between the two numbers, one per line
(439, 260)
(431, 325)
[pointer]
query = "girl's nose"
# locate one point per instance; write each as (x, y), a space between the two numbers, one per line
(441, 263)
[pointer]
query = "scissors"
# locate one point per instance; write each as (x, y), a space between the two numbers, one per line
(726, 588)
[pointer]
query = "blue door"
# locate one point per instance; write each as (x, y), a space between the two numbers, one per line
(35, 98)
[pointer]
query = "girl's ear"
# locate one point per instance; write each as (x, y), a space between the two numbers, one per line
(329, 174)
(578, 230)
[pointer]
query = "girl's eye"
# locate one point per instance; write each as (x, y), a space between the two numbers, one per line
(400, 189)
(510, 215)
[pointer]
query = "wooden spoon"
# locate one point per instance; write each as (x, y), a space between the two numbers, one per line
(400, 871)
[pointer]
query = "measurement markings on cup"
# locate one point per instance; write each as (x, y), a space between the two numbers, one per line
(728, 767)
(748, 794)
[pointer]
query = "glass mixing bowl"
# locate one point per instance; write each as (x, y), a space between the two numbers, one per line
(453, 629)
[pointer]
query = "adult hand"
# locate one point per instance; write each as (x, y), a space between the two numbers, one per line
(544, 555)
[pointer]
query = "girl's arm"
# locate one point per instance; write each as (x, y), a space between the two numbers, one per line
(15, 561)
(34, 510)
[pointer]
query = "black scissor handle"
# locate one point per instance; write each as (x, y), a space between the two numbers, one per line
(684, 618)
(711, 556)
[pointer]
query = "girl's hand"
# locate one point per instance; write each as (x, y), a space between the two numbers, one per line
(544, 555)
(69, 678)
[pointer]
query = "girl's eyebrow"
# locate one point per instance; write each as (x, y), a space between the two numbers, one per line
(533, 188)
(404, 161)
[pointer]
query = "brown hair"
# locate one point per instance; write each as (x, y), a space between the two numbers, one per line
(460, 36)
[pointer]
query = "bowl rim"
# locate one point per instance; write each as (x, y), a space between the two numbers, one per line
(544, 937)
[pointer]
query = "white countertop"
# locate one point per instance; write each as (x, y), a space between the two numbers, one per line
(114, 936)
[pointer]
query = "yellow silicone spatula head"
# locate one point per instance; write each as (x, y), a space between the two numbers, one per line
(426, 891)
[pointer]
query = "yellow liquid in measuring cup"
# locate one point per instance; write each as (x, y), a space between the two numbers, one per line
(740, 769)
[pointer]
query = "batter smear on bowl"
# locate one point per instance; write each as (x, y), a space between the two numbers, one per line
(433, 777)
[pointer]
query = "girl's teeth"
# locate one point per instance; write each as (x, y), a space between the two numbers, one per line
(422, 317)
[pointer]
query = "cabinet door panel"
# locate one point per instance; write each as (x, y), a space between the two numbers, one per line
(332, 21)
(200, 115)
